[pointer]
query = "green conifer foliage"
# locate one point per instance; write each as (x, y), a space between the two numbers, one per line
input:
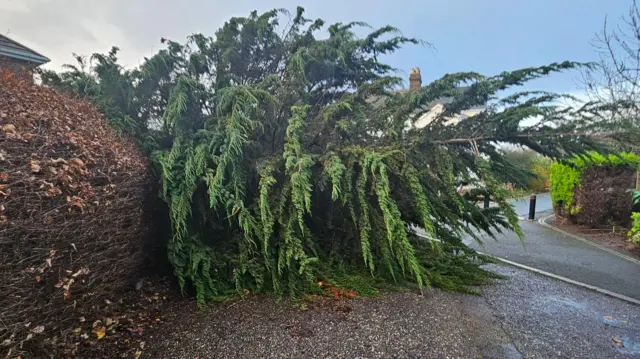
(285, 153)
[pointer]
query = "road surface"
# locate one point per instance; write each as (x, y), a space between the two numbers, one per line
(554, 252)
(543, 204)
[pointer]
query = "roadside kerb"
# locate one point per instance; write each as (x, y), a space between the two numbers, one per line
(561, 278)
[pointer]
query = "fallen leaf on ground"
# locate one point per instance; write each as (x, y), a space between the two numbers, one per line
(9, 128)
(337, 295)
(35, 167)
(76, 162)
(68, 284)
(39, 329)
(82, 271)
(57, 161)
(617, 342)
(100, 332)
(4, 177)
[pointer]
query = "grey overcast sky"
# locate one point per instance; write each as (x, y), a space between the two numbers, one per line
(487, 36)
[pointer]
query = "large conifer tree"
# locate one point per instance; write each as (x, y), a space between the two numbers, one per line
(285, 155)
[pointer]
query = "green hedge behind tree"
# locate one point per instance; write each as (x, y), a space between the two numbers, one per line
(567, 177)
(284, 153)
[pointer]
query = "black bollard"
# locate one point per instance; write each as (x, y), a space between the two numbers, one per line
(487, 199)
(532, 207)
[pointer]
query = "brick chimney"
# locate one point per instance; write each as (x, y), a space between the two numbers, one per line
(415, 80)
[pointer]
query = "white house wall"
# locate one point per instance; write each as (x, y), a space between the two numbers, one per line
(437, 110)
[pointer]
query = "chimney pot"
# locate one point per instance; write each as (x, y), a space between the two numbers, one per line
(415, 80)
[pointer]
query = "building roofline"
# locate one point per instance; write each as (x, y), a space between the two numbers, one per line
(33, 57)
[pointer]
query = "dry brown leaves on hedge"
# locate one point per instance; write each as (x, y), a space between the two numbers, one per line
(71, 215)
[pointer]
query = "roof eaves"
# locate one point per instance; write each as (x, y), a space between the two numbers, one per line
(24, 56)
(28, 55)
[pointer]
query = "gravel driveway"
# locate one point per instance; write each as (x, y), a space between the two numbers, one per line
(526, 316)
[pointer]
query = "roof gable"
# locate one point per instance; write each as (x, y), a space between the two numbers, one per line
(379, 101)
(15, 50)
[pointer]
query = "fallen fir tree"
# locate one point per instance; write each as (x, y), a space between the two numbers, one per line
(286, 156)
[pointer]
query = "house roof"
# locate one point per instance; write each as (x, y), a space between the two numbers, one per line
(447, 99)
(379, 101)
(15, 50)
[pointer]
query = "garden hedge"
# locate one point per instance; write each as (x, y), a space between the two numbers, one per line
(72, 195)
(594, 189)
